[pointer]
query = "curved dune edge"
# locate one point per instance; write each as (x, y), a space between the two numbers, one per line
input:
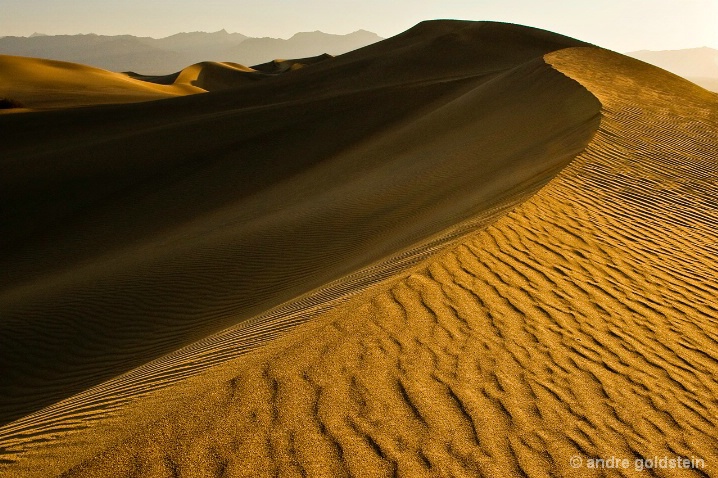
(557, 331)
(48, 84)
(217, 76)
(40, 84)
(212, 76)
(109, 398)
(509, 173)
(107, 269)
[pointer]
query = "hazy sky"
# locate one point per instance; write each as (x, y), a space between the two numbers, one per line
(621, 25)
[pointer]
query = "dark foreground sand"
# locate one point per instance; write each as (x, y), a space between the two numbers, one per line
(469, 250)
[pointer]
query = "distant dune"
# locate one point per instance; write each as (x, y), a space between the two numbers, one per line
(150, 56)
(700, 65)
(39, 83)
(473, 249)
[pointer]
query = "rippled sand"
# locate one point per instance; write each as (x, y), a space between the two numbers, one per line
(515, 271)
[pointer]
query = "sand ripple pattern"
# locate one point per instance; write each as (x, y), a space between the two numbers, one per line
(159, 224)
(583, 323)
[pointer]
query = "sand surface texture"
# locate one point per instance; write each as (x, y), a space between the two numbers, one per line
(48, 84)
(38, 84)
(468, 250)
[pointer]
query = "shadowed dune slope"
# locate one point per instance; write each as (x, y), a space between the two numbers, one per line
(48, 84)
(582, 323)
(281, 66)
(39, 84)
(212, 76)
(45, 84)
(134, 230)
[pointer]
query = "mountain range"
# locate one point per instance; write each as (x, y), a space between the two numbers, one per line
(167, 55)
(159, 56)
(700, 65)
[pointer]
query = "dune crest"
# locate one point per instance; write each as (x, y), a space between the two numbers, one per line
(47, 84)
(35, 83)
(214, 76)
(557, 300)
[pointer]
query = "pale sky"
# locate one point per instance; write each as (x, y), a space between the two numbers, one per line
(621, 25)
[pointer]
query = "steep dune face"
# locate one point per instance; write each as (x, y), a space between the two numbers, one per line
(38, 84)
(212, 76)
(55, 84)
(139, 241)
(282, 66)
(573, 322)
(578, 325)
(215, 76)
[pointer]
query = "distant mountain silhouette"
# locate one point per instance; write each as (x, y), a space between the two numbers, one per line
(259, 50)
(167, 55)
(700, 65)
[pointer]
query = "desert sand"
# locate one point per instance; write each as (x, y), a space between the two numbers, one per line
(473, 249)
(46, 84)
(37, 84)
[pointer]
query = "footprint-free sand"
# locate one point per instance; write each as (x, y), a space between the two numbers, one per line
(473, 249)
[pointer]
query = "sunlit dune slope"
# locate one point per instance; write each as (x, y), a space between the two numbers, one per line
(133, 230)
(554, 296)
(47, 84)
(213, 76)
(37, 83)
(580, 324)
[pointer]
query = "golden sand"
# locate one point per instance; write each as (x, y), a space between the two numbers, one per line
(47, 84)
(39, 84)
(508, 334)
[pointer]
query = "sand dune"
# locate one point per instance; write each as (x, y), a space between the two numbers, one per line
(161, 56)
(238, 210)
(282, 66)
(473, 249)
(46, 84)
(214, 76)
